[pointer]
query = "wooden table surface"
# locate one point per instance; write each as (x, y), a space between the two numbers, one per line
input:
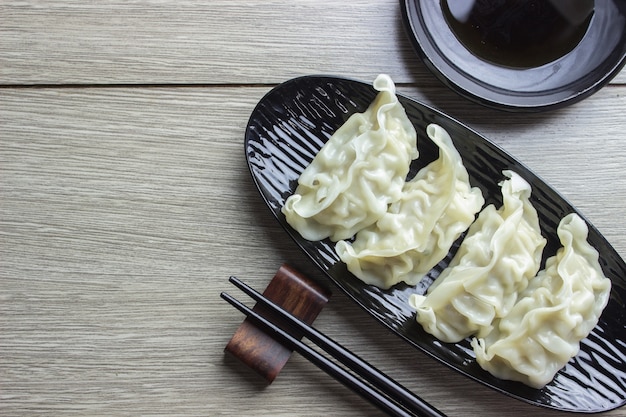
(126, 202)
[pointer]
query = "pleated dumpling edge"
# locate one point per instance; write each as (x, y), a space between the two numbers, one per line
(558, 309)
(501, 252)
(358, 172)
(418, 230)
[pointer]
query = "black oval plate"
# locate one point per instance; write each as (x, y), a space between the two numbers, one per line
(588, 67)
(290, 125)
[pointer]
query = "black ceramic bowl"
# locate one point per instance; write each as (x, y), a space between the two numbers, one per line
(592, 63)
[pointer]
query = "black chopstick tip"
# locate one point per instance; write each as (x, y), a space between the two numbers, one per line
(375, 386)
(237, 282)
(231, 300)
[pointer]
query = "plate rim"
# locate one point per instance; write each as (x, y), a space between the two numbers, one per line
(293, 235)
(438, 65)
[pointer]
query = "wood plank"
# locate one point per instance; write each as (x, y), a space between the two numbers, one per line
(124, 211)
(196, 42)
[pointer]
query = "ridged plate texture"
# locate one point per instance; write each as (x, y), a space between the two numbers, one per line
(290, 125)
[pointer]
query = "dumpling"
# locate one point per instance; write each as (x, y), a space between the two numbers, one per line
(500, 254)
(558, 309)
(358, 172)
(417, 231)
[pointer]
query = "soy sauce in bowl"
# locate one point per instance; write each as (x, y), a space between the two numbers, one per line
(519, 33)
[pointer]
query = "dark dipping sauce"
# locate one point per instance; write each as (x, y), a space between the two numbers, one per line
(519, 33)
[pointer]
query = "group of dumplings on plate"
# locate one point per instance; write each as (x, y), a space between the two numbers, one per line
(525, 324)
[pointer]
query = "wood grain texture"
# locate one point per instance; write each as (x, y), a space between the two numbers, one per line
(126, 203)
(124, 211)
(199, 42)
(139, 42)
(295, 293)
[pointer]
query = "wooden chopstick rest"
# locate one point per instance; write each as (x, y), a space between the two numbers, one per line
(294, 292)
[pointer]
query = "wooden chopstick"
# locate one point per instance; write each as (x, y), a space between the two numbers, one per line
(368, 382)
